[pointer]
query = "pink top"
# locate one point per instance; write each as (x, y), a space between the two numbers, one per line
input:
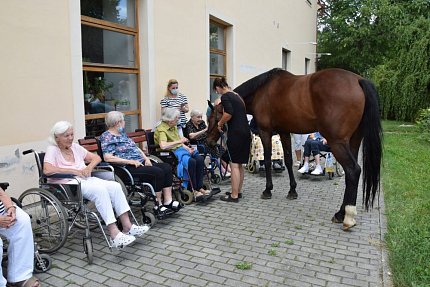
(53, 156)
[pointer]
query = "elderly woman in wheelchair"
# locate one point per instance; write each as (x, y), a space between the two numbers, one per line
(65, 157)
(167, 137)
(118, 148)
(315, 144)
(15, 225)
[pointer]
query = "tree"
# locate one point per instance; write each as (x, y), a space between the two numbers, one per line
(385, 40)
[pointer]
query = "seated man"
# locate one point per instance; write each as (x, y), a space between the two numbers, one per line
(315, 143)
(15, 225)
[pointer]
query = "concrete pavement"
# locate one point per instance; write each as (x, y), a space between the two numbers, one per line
(285, 243)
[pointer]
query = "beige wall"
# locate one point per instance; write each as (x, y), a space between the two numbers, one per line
(258, 33)
(41, 75)
(36, 82)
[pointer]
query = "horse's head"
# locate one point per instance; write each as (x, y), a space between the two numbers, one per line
(213, 119)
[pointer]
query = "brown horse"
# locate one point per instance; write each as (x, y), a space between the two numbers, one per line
(339, 104)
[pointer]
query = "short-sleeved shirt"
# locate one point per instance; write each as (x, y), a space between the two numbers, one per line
(121, 146)
(53, 156)
(176, 102)
(165, 133)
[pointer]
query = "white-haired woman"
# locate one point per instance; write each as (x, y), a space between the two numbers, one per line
(167, 137)
(64, 156)
(118, 148)
(195, 131)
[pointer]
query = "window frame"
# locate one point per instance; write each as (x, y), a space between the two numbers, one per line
(213, 20)
(109, 68)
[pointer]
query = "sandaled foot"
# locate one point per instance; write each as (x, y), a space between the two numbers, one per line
(30, 282)
(122, 240)
(174, 205)
(228, 198)
(138, 230)
(205, 191)
(229, 193)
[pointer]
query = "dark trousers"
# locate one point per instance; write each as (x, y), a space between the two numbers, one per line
(196, 171)
(159, 175)
(314, 146)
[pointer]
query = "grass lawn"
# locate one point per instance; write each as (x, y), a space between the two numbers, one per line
(406, 185)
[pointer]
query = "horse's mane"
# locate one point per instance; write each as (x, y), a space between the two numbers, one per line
(249, 87)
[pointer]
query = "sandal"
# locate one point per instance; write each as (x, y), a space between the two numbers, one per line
(205, 191)
(30, 282)
(229, 193)
(122, 240)
(174, 205)
(228, 198)
(138, 230)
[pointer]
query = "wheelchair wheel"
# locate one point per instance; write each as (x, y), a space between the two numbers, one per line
(149, 218)
(185, 197)
(48, 219)
(252, 167)
(215, 178)
(124, 188)
(339, 169)
(46, 260)
(154, 158)
(88, 248)
(71, 206)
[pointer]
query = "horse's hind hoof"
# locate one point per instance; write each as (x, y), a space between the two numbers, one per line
(266, 195)
(346, 227)
(292, 196)
(334, 219)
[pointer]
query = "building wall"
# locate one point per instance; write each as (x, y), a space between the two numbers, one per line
(41, 75)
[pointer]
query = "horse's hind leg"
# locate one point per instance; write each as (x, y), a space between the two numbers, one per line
(347, 157)
(288, 157)
(266, 140)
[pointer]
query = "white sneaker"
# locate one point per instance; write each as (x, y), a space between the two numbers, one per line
(138, 230)
(317, 170)
(122, 240)
(304, 169)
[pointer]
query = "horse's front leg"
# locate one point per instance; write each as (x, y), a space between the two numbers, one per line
(266, 140)
(288, 157)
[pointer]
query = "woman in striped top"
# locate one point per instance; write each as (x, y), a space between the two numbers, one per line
(175, 99)
(15, 225)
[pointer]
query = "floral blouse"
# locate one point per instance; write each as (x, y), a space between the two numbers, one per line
(121, 146)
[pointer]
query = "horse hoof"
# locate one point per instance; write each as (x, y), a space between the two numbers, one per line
(346, 227)
(292, 196)
(266, 195)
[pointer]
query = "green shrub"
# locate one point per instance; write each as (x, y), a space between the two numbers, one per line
(423, 123)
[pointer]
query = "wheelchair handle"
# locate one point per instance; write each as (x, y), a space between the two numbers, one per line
(4, 185)
(27, 151)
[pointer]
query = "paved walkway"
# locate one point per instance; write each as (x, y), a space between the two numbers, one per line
(286, 243)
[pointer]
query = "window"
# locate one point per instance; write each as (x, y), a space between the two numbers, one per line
(286, 59)
(307, 66)
(217, 51)
(110, 62)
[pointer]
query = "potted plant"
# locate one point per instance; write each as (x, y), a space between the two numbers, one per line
(100, 87)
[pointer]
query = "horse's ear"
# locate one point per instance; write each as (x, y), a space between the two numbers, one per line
(210, 105)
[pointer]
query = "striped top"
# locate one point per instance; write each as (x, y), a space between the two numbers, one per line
(2, 209)
(176, 102)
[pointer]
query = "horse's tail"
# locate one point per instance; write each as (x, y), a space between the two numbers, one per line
(372, 143)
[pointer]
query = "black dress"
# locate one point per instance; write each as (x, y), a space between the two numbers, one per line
(238, 133)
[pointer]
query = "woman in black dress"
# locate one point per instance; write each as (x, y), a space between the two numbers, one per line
(238, 135)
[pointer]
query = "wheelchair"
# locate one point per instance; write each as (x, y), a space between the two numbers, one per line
(212, 165)
(182, 194)
(331, 166)
(257, 155)
(138, 193)
(56, 207)
(42, 261)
